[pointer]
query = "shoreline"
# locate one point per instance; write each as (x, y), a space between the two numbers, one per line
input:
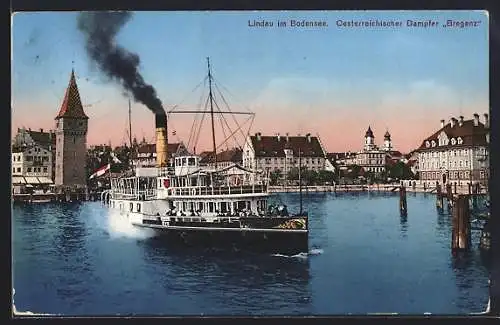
(364, 188)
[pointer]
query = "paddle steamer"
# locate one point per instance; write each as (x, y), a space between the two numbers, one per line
(205, 205)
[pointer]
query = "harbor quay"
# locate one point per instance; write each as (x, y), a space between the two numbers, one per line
(57, 195)
(410, 186)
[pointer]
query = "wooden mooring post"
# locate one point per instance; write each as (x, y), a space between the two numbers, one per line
(439, 196)
(475, 192)
(449, 195)
(461, 231)
(402, 201)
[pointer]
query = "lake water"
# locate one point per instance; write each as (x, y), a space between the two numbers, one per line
(78, 259)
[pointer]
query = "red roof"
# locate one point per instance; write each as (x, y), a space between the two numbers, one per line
(269, 146)
(150, 148)
(234, 155)
(72, 104)
(468, 132)
(395, 153)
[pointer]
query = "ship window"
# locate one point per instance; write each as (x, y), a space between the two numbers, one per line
(223, 207)
(200, 206)
(192, 162)
(210, 207)
(138, 207)
(241, 205)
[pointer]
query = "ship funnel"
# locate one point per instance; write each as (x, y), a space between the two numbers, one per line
(161, 140)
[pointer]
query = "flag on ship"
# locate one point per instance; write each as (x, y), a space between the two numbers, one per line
(101, 171)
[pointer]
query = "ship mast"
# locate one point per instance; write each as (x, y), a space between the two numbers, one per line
(212, 112)
(300, 182)
(130, 123)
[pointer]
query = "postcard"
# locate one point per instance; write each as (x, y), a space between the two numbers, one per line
(250, 163)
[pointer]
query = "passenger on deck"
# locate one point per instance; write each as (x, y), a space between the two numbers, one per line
(284, 211)
(191, 213)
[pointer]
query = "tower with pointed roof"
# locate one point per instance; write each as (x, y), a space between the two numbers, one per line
(71, 139)
(369, 140)
(387, 141)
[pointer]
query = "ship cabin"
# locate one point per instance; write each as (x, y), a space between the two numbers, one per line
(194, 190)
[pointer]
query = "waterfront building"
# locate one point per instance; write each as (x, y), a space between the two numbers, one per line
(71, 139)
(458, 152)
(31, 166)
(281, 153)
(371, 158)
(145, 155)
(27, 140)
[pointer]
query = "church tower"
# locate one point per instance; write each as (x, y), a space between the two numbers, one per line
(71, 139)
(369, 140)
(387, 141)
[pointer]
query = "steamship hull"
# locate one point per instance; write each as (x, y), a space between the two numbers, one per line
(263, 234)
(289, 243)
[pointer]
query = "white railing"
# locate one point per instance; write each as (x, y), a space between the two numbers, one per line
(220, 190)
(131, 194)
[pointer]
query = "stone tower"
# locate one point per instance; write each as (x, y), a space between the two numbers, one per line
(71, 139)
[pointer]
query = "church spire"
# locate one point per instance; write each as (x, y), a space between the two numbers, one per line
(72, 104)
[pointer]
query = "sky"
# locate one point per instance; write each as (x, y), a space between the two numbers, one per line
(331, 81)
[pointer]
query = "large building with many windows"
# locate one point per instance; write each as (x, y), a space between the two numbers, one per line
(31, 165)
(458, 152)
(273, 153)
(29, 156)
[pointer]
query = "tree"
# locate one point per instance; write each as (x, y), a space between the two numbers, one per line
(293, 174)
(309, 177)
(275, 176)
(400, 171)
(326, 176)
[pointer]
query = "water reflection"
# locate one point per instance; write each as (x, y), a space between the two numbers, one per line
(470, 273)
(403, 222)
(254, 283)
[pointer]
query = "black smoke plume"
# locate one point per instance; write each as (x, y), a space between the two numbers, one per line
(117, 63)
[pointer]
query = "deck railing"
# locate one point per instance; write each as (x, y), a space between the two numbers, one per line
(148, 194)
(220, 190)
(132, 194)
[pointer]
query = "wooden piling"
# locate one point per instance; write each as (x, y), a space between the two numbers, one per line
(425, 187)
(470, 187)
(461, 232)
(475, 192)
(449, 195)
(402, 201)
(439, 197)
(455, 188)
(485, 240)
